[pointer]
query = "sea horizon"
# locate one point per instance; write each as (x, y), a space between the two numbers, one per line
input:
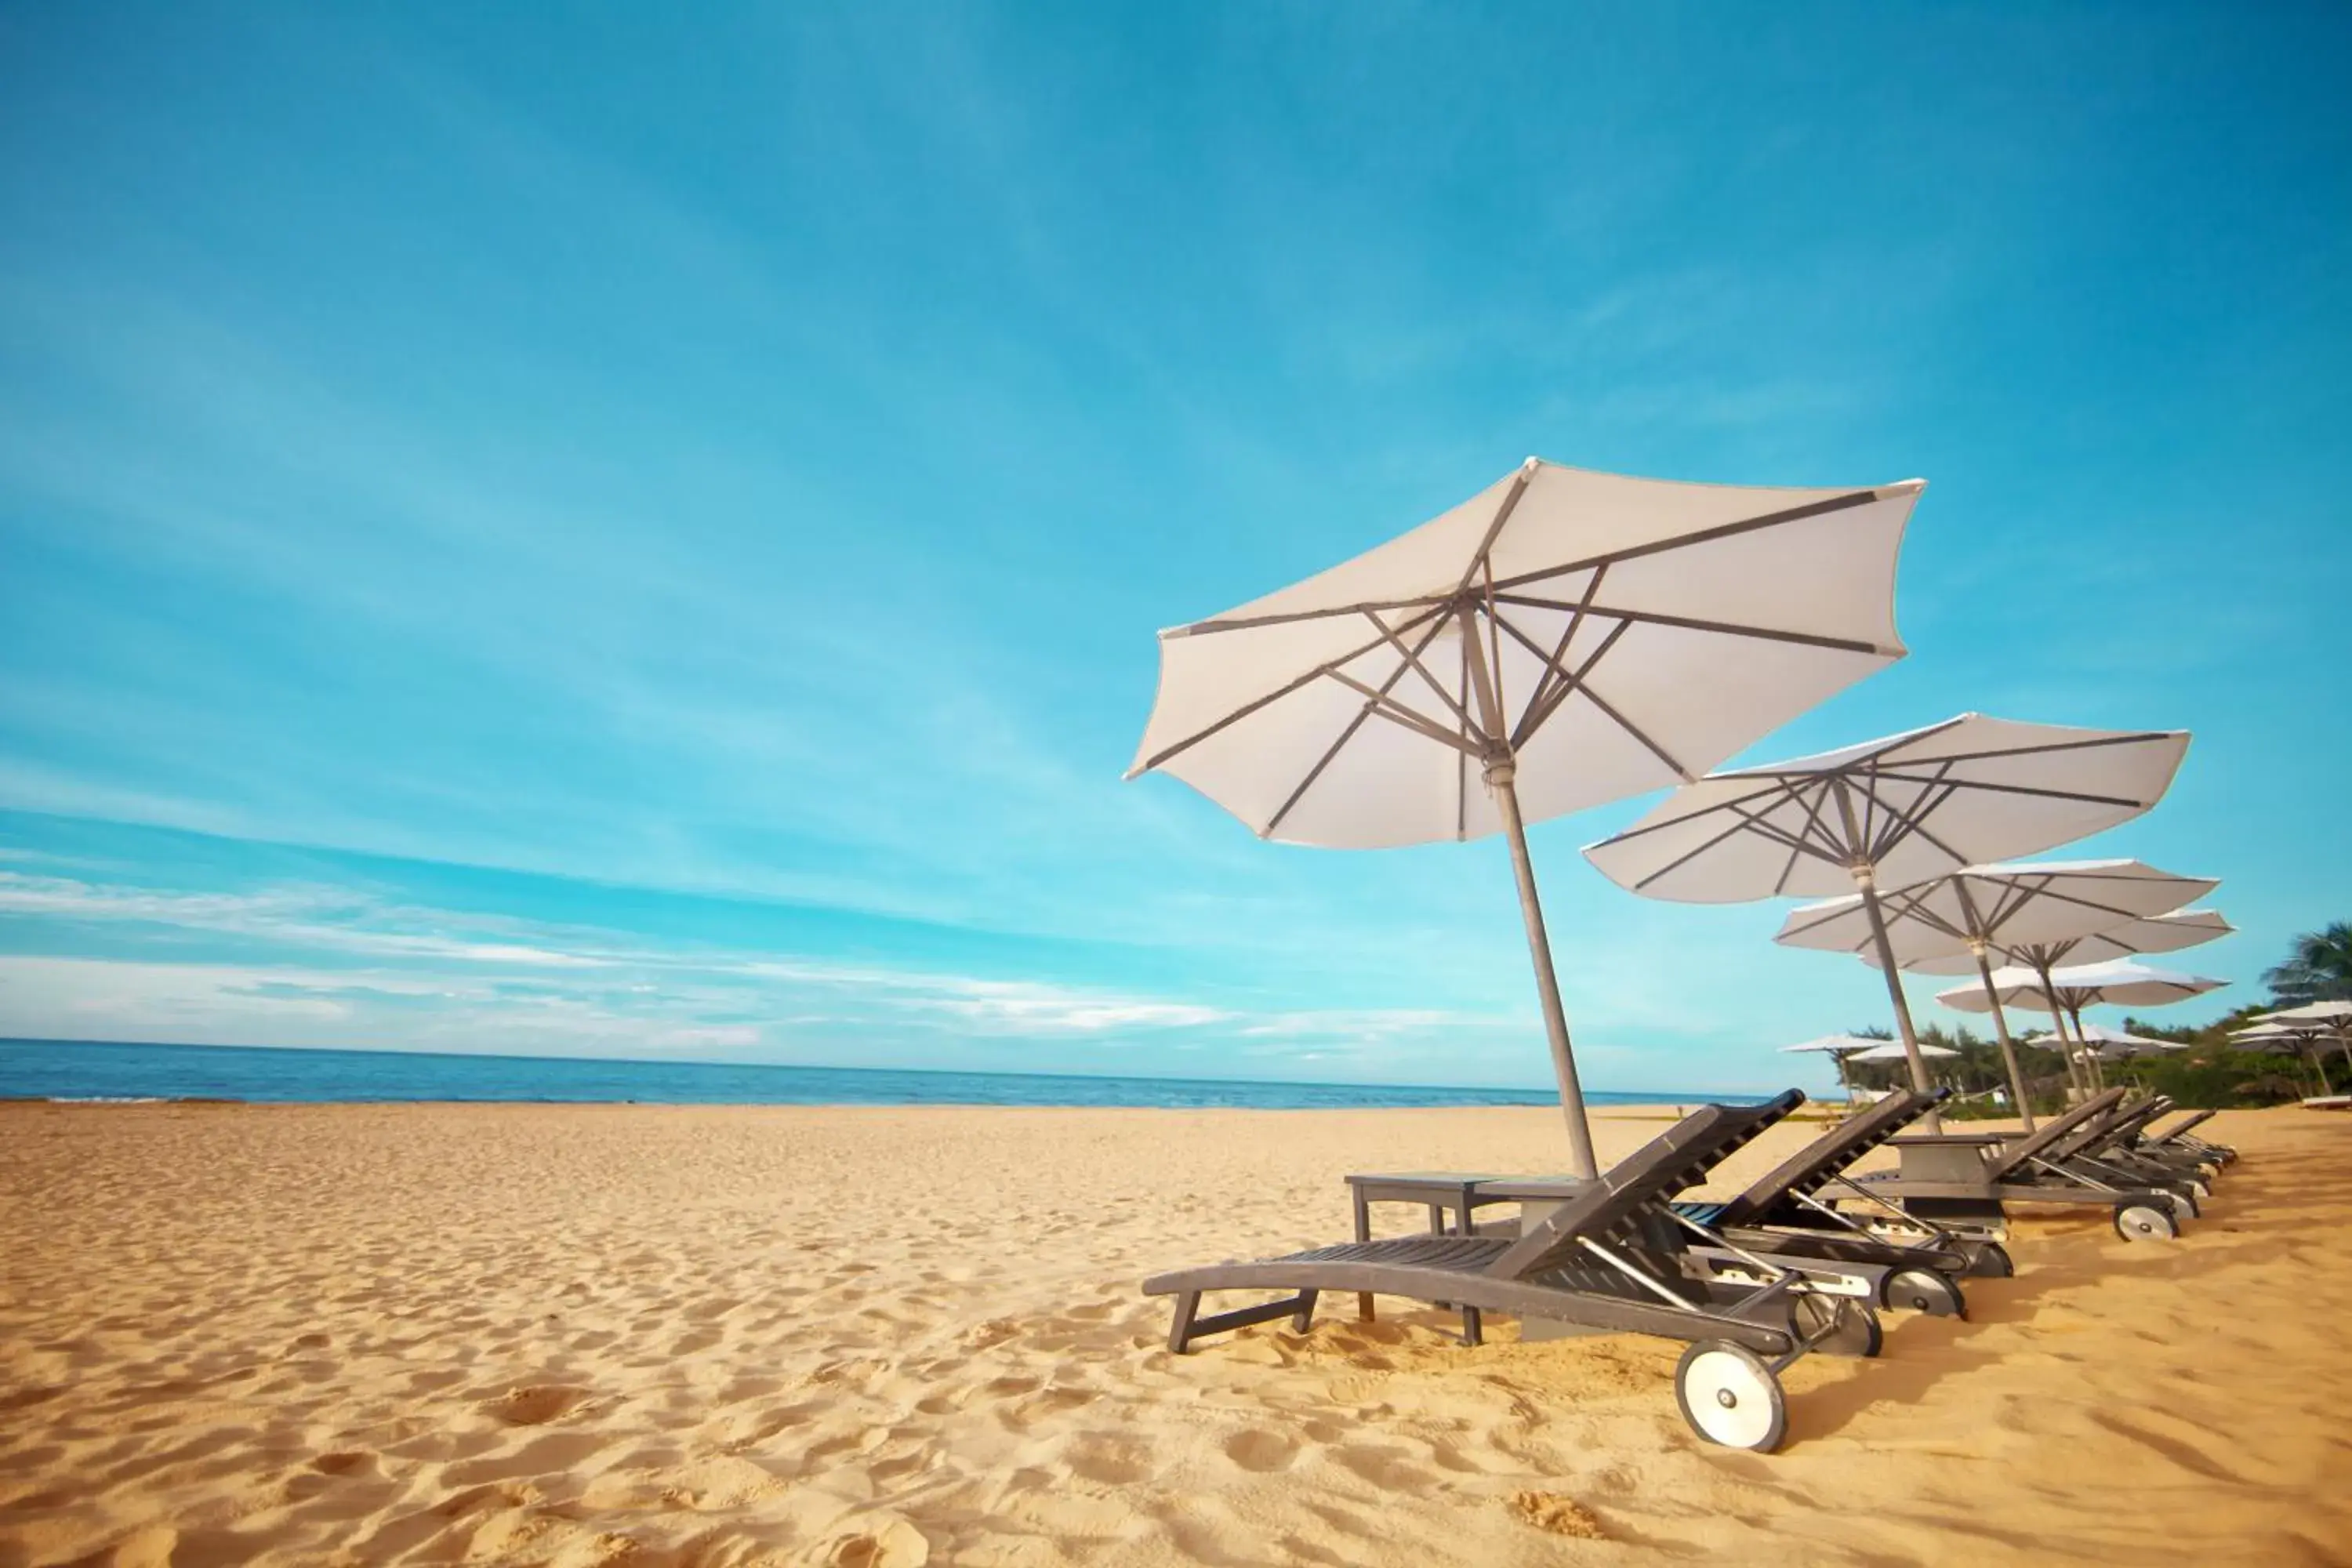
(130, 1071)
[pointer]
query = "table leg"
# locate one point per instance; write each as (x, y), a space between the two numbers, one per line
(1363, 1233)
(1473, 1328)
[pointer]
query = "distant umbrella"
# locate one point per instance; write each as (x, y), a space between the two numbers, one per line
(1893, 1051)
(1958, 923)
(1889, 813)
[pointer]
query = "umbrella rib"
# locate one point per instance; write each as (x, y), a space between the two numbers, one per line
(1396, 713)
(1345, 735)
(1995, 788)
(1519, 483)
(1795, 851)
(1741, 824)
(1703, 536)
(1696, 623)
(2127, 738)
(1276, 694)
(1576, 615)
(1777, 783)
(1905, 822)
(1412, 660)
(1800, 841)
(1674, 763)
(1539, 712)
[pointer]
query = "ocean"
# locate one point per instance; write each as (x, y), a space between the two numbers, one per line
(107, 1070)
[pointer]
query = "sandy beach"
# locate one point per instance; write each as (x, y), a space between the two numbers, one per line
(891, 1336)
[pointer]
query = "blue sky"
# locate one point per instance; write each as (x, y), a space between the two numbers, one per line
(616, 531)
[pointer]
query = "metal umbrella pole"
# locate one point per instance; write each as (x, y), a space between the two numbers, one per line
(2076, 1079)
(2001, 1032)
(2090, 1056)
(1501, 773)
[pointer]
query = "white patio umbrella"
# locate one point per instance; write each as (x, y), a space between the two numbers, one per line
(2303, 1027)
(1890, 811)
(2283, 1039)
(2116, 982)
(2118, 1044)
(1951, 925)
(1893, 1051)
(1835, 1046)
(1560, 640)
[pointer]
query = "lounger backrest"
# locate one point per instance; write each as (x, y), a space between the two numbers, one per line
(2041, 1143)
(1677, 1158)
(2097, 1135)
(1825, 1159)
(2122, 1127)
(2196, 1118)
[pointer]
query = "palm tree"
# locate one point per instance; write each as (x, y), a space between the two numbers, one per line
(2318, 967)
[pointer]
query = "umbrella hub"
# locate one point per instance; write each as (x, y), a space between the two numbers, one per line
(1502, 767)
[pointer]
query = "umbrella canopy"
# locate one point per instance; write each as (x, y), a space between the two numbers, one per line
(1892, 811)
(1560, 640)
(2119, 982)
(1836, 1043)
(2116, 1043)
(2299, 1030)
(1935, 927)
(1957, 923)
(1892, 1051)
(2320, 1012)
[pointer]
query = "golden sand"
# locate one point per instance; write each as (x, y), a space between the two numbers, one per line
(659, 1336)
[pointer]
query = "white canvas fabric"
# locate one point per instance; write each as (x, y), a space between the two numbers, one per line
(1834, 1043)
(1639, 631)
(1892, 1051)
(2102, 908)
(1911, 806)
(2322, 1011)
(2119, 982)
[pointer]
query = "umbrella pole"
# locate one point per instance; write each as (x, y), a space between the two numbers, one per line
(2090, 1058)
(2001, 1032)
(2075, 1078)
(1867, 880)
(1500, 776)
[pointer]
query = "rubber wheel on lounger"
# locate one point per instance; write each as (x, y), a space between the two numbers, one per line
(1839, 1325)
(1988, 1261)
(1924, 1290)
(1729, 1397)
(2146, 1222)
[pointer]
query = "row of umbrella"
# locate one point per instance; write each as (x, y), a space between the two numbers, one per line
(1564, 639)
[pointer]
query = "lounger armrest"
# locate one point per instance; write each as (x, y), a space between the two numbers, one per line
(1931, 1139)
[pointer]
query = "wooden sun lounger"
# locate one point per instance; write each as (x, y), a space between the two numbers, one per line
(1778, 1217)
(2181, 1134)
(1609, 1258)
(1961, 1181)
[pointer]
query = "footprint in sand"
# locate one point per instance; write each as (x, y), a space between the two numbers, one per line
(1261, 1450)
(1113, 1461)
(886, 1544)
(536, 1404)
(349, 1462)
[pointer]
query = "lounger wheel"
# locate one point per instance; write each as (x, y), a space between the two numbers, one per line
(1988, 1260)
(1837, 1325)
(2146, 1222)
(1924, 1290)
(1729, 1397)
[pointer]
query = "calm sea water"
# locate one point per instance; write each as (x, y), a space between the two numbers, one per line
(79, 1070)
